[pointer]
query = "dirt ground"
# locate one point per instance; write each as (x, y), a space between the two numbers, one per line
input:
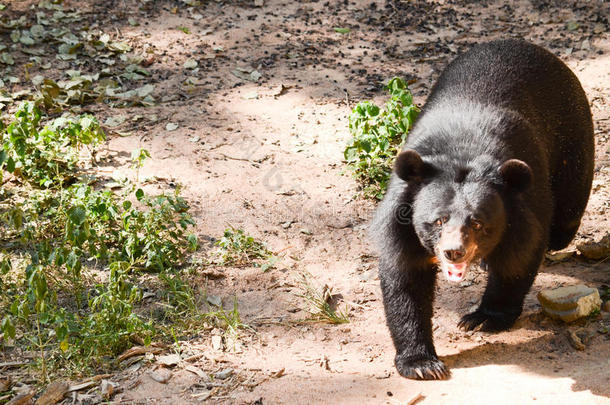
(266, 156)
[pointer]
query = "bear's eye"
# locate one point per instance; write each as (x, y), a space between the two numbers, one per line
(441, 220)
(476, 225)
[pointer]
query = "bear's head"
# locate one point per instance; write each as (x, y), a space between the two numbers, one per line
(458, 211)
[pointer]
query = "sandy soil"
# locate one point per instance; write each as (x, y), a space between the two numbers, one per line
(257, 155)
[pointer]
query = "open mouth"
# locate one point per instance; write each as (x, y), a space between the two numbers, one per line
(455, 272)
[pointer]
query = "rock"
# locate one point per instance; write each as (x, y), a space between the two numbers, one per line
(214, 300)
(217, 342)
(223, 374)
(596, 250)
(162, 375)
(570, 303)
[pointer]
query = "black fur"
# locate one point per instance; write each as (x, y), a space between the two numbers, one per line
(505, 139)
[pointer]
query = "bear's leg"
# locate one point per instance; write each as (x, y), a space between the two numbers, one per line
(408, 294)
(502, 301)
(562, 236)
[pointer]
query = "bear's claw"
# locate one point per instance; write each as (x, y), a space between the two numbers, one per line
(421, 368)
(489, 321)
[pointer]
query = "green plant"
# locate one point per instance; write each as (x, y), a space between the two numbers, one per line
(238, 249)
(74, 255)
(229, 321)
(111, 319)
(377, 136)
(320, 301)
(180, 296)
(156, 238)
(138, 156)
(186, 311)
(46, 156)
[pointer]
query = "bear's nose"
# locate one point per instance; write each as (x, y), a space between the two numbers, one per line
(454, 254)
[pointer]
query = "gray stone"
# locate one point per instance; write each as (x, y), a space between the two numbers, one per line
(570, 303)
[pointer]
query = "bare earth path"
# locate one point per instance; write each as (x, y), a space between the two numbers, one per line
(266, 156)
(269, 155)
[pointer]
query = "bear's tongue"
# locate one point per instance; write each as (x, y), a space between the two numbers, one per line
(455, 271)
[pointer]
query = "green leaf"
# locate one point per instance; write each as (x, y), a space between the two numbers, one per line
(377, 135)
(384, 144)
(372, 110)
(8, 328)
(351, 154)
(77, 214)
(365, 144)
(342, 30)
(139, 194)
(192, 240)
(10, 165)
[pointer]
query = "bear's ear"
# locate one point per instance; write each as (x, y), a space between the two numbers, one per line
(409, 166)
(516, 174)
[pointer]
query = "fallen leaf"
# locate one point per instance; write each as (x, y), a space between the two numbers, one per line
(280, 90)
(21, 399)
(202, 396)
(190, 64)
(196, 370)
(169, 360)
(5, 383)
(107, 388)
(138, 350)
(53, 393)
(26, 39)
(599, 28)
(278, 373)
(342, 30)
(217, 342)
(255, 75)
(559, 256)
(6, 58)
(115, 121)
(223, 374)
(145, 90)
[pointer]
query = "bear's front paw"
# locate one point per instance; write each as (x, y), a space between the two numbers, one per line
(490, 321)
(421, 367)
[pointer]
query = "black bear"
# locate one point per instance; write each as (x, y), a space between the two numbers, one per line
(497, 169)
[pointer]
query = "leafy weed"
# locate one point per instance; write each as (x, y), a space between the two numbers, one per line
(377, 136)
